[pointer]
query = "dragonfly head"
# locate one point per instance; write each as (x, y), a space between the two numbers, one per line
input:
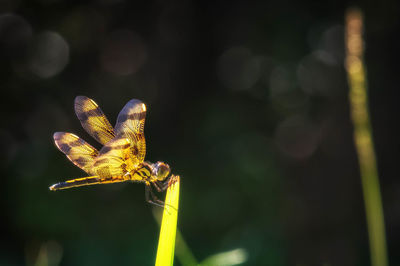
(160, 171)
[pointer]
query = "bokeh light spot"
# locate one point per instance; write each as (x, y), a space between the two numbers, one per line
(49, 54)
(15, 33)
(83, 28)
(238, 69)
(297, 138)
(123, 53)
(283, 90)
(319, 75)
(282, 81)
(332, 41)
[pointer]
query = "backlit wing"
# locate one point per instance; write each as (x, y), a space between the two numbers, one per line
(93, 119)
(78, 151)
(130, 124)
(113, 159)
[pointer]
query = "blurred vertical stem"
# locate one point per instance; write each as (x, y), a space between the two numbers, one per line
(50, 254)
(166, 242)
(363, 137)
(183, 252)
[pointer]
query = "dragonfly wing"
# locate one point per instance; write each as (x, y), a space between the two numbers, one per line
(130, 124)
(93, 119)
(113, 159)
(78, 151)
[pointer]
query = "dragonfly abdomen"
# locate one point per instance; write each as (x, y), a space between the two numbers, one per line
(85, 181)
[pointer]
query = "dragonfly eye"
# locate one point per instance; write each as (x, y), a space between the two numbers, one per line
(161, 170)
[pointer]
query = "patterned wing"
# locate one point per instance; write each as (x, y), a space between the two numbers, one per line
(78, 151)
(93, 119)
(113, 159)
(130, 124)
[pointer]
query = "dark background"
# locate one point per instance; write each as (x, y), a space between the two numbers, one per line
(247, 101)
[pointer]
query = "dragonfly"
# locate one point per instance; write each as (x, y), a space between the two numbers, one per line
(121, 158)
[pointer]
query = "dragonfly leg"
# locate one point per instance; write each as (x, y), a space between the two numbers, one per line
(153, 200)
(164, 184)
(161, 185)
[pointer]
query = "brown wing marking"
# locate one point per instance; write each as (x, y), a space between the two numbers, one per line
(114, 159)
(78, 151)
(130, 124)
(93, 119)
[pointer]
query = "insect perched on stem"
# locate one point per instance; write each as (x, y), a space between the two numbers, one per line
(122, 156)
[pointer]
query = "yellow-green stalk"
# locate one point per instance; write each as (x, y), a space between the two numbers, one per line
(356, 72)
(166, 242)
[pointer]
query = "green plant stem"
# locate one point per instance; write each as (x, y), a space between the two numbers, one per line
(182, 250)
(166, 242)
(363, 137)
